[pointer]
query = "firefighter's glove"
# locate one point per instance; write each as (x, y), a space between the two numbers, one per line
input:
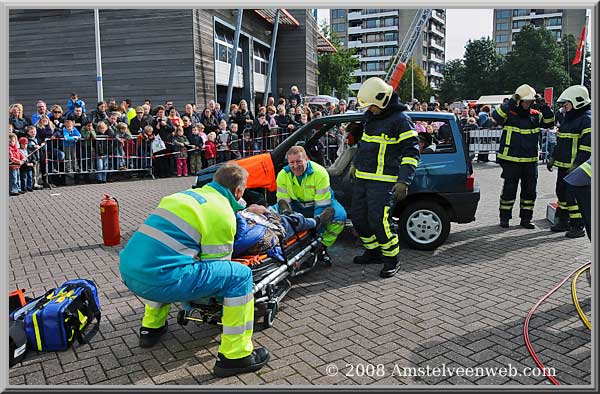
(352, 172)
(550, 164)
(400, 190)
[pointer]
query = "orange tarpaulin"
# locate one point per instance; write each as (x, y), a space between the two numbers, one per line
(261, 171)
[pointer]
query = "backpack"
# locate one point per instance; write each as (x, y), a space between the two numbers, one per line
(53, 321)
(17, 342)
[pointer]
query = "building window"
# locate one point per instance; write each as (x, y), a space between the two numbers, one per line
(519, 24)
(520, 12)
(338, 27)
(224, 46)
(503, 14)
(556, 33)
(338, 13)
(388, 22)
(261, 59)
(501, 37)
(393, 36)
(502, 26)
(372, 37)
(373, 66)
(390, 51)
(373, 52)
(556, 21)
(502, 50)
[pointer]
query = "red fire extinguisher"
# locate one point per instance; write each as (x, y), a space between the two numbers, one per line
(109, 214)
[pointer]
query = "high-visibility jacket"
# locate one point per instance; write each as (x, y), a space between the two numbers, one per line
(389, 147)
(197, 223)
(582, 175)
(574, 139)
(521, 133)
(311, 191)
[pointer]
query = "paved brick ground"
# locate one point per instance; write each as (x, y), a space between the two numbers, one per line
(462, 305)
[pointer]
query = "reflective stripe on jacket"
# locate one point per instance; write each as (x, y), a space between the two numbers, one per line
(312, 190)
(574, 139)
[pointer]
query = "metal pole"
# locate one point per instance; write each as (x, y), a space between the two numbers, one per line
(98, 56)
(271, 58)
(236, 43)
(412, 80)
(583, 50)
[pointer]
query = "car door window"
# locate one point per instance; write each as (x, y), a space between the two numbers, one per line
(435, 136)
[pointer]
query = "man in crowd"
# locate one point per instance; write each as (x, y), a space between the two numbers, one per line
(518, 152)
(304, 185)
(384, 167)
(41, 109)
(183, 252)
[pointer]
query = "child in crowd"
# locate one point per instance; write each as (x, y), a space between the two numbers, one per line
(104, 141)
(123, 137)
(197, 144)
(35, 149)
(16, 159)
(88, 135)
(146, 146)
(180, 144)
(235, 141)
(210, 151)
(247, 144)
(26, 169)
(223, 141)
(71, 136)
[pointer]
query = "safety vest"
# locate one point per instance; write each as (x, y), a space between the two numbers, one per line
(521, 132)
(312, 191)
(389, 147)
(196, 223)
(573, 140)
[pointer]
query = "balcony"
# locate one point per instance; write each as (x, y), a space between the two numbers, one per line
(433, 58)
(354, 15)
(369, 73)
(360, 30)
(375, 44)
(437, 16)
(435, 73)
(536, 16)
(374, 58)
(437, 31)
(354, 43)
(354, 86)
(359, 15)
(437, 45)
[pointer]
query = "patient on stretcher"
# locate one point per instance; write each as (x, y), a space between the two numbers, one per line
(262, 230)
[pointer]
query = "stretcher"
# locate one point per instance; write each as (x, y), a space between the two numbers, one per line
(271, 279)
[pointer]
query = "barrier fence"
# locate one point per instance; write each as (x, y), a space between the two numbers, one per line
(486, 141)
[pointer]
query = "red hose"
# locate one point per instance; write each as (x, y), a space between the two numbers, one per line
(526, 327)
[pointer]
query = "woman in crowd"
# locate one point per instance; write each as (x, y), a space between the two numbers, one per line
(18, 121)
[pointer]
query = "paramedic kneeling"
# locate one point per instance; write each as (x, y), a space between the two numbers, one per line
(182, 253)
(304, 185)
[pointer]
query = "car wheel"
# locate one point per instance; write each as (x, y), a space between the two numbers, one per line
(424, 225)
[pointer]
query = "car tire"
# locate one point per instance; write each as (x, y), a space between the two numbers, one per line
(424, 225)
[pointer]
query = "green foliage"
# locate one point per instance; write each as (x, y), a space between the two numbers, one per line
(537, 60)
(452, 85)
(335, 69)
(481, 67)
(569, 47)
(421, 89)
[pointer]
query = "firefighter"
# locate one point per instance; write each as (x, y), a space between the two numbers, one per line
(182, 253)
(573, 147)
(580, 181)
(383, 168)
(303, 186)
(519, 150)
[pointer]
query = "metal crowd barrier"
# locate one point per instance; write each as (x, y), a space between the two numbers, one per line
(488, 141)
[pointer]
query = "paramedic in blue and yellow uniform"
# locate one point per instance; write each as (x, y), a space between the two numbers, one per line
(383, 167)
(580, 182)
(182, 253)
(304, 185)
(518, 154)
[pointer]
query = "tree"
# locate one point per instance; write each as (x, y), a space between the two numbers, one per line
(335, 69)
(452, 85)
(537, 60)
(481, 67)
(569, 47)
(422, 90)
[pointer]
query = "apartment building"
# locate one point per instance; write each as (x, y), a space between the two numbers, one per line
(560, 22)
(376, 34)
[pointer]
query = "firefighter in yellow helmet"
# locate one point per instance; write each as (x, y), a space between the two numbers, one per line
(182, 253)
(383, 168)
(573, 147)
(519, 150)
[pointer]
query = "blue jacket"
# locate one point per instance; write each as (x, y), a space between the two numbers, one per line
(71, 105)
(249, 233)
(71, 137)
(580, 176)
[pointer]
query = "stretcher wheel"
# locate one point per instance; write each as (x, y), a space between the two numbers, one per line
(181, 318)
(270, 316)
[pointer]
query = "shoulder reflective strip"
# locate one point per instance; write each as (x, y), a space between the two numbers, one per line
(586, 131)
(36, 328)
(237, 301)
(585, 148)
(567, 135)
(321, 203)
(500, 112)
(322, 191)
(376, 177)
(282, 189)
(587, 167)
(167, 240)
(410, 160)
(179, 223)
(217, 249)
(238, 330)
(196, 196)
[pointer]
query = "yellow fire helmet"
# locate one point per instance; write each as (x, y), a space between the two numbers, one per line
(578, 95)
(374, 91)
(525, 92)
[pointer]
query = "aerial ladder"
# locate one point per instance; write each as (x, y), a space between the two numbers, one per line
(398, 64)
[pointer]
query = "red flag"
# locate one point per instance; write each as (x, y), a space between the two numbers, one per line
(577, 57)
(548, 93)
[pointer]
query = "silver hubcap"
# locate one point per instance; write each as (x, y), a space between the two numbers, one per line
(424, 226)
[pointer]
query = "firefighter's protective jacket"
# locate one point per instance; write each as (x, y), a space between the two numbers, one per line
(574, 138)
